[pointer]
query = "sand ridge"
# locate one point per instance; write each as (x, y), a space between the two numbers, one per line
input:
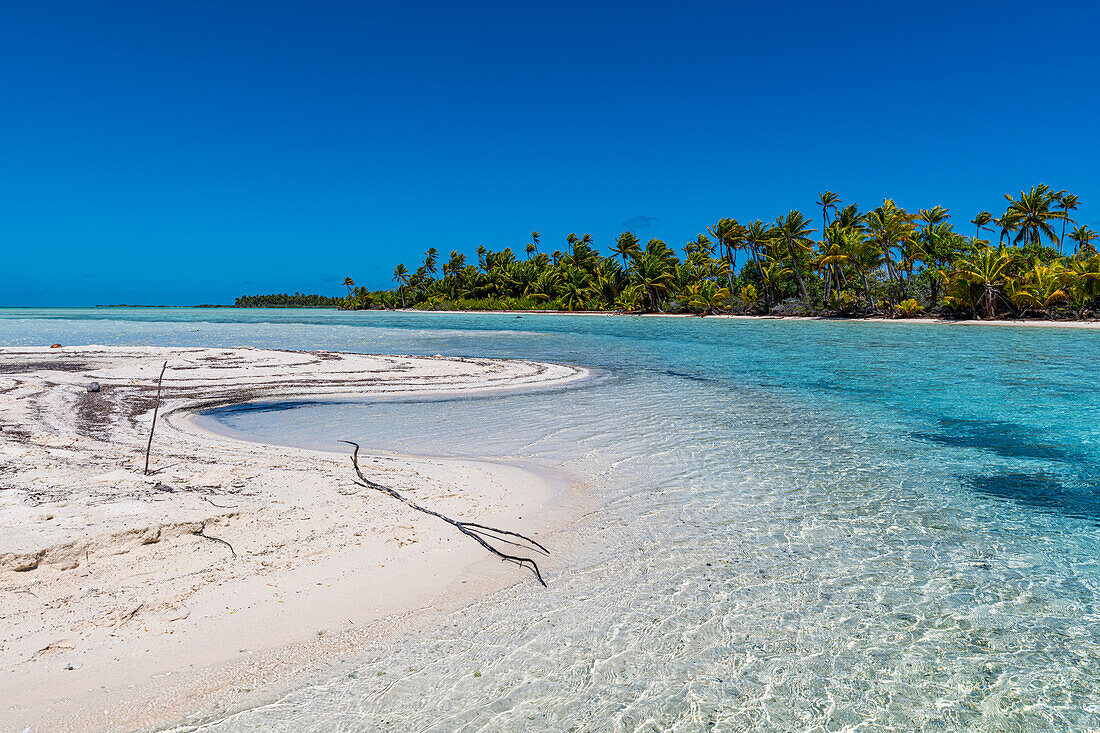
(128, 600)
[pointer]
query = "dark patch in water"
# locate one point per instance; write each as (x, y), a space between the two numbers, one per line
(1005, 439)
(263, 407)
(1040, 491)
(692, 377)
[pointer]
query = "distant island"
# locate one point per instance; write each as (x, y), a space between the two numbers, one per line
(883, 262)
(286, 300)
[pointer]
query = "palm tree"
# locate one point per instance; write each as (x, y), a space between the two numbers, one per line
(349, 284)
(401, 276)
(574, 288)
(935, 215)
(826, 200)
(708, 296)
(1083, 236)
(581, 252)
(829, 259)
(546, 285)
(430, 258)
(772, 275)
(626, 246)
(757, 236)
(1040, 287)
(980, 221)
(534, 243)
(793, 232)
(653, 270)
(864, 254)
(888, 227)
(1068, 202)
(986, 268)
(1083, 276)
(1032, 214)
(1008, 222)
(730, 236)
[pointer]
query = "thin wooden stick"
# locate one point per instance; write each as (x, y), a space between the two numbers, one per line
(480, 533)
(201, 533)
(156, 406)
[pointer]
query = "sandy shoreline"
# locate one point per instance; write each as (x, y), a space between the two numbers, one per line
(729, 316)
(117, 615)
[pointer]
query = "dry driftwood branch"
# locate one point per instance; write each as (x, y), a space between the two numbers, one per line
(156, 406)
(480, 533)
(201, 533)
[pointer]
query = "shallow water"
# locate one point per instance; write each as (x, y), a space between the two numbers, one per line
(801, 525)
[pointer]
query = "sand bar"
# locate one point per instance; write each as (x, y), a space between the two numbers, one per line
(115, 614)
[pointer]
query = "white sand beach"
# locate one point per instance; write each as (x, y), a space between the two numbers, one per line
(119, 607)
(918, 320)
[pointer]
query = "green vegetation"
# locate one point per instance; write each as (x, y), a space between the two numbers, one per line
(887, 261)
(285, 300)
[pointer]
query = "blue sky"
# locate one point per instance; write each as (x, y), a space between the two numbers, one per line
(178, 153)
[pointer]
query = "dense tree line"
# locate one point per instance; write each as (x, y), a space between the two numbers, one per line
(286, 300)
(886, 261)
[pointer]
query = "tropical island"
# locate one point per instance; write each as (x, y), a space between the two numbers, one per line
(884, 262)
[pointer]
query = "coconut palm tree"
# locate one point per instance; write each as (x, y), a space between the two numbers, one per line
(708, 296)
(1040, 287)
(986, 268)
(793, 233)
(1032, 214)
(757, 237)
(626, 246)
(1067, 202)
(864, 254)
(1083, 236)
(830, 260)
(574, 288)
(1084, 281)
(430, 258)
(349, 284)
(730, 237)
(827, 200)
(1008, 222)
(654, 271)
(935, 215)
(980, 221)
(401, 276)
(889, 226)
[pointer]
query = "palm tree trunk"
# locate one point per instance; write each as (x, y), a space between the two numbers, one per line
(796, 270)
(867, 290)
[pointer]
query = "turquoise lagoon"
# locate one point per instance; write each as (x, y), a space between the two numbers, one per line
(797, 525)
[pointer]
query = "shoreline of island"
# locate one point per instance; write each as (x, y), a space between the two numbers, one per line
(1089, 323)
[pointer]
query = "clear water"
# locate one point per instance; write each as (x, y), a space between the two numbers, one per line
(801, 525)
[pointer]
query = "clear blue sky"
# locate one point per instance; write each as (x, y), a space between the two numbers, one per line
(193, 151)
